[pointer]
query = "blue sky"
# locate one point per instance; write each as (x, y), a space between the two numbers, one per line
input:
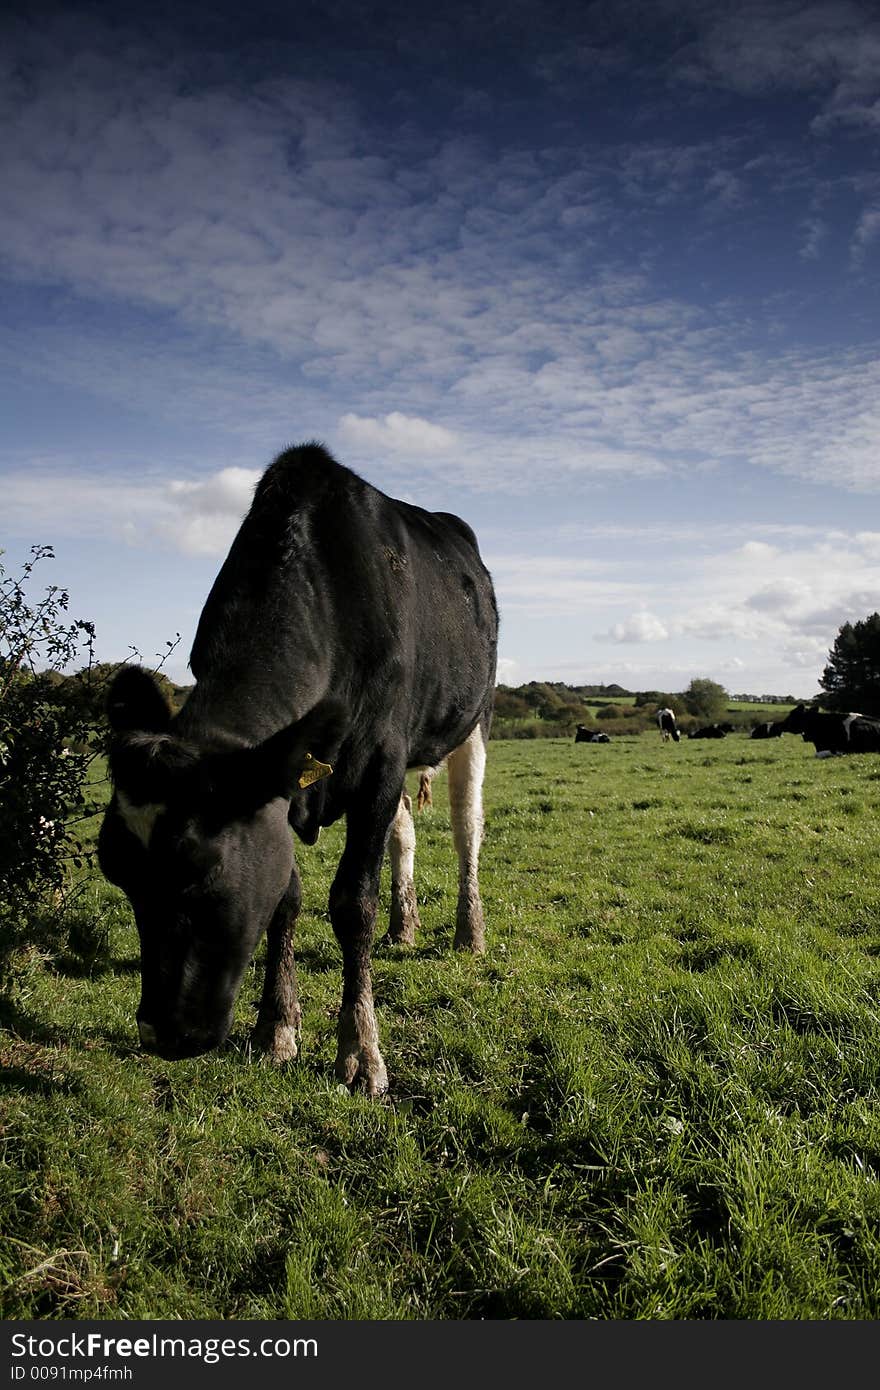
(601, 278)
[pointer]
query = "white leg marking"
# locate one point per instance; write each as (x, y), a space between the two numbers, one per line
(358, 1057)
(467, 766)
(402, 850)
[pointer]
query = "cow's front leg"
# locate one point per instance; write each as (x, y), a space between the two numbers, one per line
(278, 1025)
(401, 850)
(353, 903)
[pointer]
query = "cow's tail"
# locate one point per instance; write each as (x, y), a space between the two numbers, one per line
(424, 797)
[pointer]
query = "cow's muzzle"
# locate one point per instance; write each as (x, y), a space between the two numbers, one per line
(190, 1042)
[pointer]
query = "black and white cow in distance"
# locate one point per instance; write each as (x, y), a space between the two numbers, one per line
(584, 735)
(769, 729)
(667, 725)
(834, 733)
(712, 731)
(344, 628)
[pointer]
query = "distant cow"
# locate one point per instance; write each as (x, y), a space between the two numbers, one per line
(769, 729)
(584, 735)
(347, 638)
(834, 733)
(667, 725)
(709, 731)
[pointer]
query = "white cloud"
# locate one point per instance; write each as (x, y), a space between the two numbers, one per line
(807, 654)
(866, 233)
(398, 432)
(196, 517)
(202, 516)
(54, 497)
(227, 493)
(815, 232)
(784, 594)
(639, 627)
(508, 670)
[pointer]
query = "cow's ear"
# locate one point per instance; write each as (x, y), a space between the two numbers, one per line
(303, 753)
(148, 767)
(135, 702)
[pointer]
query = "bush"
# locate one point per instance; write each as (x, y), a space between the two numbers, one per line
(47, 739)
(705, 699)
(613, 712)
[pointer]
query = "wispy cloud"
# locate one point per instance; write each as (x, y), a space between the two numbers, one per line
(831, 50)
(413, 277)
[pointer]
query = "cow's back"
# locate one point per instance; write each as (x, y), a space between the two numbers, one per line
(332, 589)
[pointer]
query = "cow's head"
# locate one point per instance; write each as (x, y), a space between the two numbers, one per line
(795, 722)
(199, 841)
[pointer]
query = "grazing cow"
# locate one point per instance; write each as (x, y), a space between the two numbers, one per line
(769, 729)
(709, 731)
(584, 735)
(667, 725)
(347, 637)
(834, 733)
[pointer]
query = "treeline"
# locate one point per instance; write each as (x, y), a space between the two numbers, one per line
(550, 709)
(536, 709)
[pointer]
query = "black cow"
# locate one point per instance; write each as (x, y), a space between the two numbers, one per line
(834, 733)
(584, 735)
(667, 725)
(709, 731)
(769, 729)
(345, 631)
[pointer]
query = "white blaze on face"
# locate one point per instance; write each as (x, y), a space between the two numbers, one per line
(140, 820)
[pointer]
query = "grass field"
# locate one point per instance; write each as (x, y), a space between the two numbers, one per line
(656, 1096)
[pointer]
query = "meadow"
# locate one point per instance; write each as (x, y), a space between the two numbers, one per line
(655, 1097)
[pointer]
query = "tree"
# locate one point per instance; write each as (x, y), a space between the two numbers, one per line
(851, 680)
(706, 699)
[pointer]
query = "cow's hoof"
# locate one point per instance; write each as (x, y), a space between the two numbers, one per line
(398, 938)
(473, 941)
(278, 1040)
(360, 1072)
(404, 921)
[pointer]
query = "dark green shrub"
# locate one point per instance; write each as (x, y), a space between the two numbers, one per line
(47, 739)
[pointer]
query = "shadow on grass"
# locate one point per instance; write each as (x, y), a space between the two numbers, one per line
(36, 1083)
(24, 1025)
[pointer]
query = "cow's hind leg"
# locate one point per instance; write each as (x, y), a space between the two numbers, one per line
(467, 765)
(277, 1028)
(354, 899)
(401, 848)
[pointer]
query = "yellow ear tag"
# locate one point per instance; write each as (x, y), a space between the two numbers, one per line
(313, 771)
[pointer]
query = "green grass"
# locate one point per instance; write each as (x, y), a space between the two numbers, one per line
(656, 1096)
(771, 708)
